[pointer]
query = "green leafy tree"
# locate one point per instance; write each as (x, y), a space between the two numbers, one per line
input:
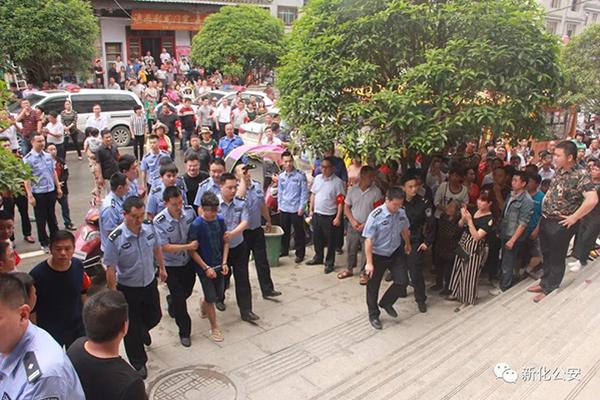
(40, 35)
(238, 39)
(581, 58)
(377, 76)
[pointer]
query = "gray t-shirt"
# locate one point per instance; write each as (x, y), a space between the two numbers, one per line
(362, 203)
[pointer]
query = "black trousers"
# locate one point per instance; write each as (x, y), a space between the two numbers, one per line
(587, 233)
(44, 212)
(74, 136)
(414, 267)
(324, 234)
(256, 243)
(138, 146)
(396, 263)
(180, 281)
(144, 314)
(238, 265)
(172, 138)
(554, 240)
(61, 150)
(287, 221)
(23, 206)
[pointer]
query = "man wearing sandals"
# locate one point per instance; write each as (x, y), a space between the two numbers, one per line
(359, 203)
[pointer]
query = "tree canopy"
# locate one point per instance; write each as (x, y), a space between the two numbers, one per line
(376, 76)
(238, 39)
(582, 70)
(42, 34)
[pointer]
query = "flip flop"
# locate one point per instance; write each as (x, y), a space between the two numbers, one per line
(216, 335)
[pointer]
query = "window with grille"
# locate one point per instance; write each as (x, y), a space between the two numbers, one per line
(287, 14)
(571, 30)
(112, 51)
(556, 3)
(552, 26)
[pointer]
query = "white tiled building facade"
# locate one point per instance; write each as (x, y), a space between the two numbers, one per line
(567, 18)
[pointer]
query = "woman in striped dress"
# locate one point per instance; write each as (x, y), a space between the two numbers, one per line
(472, 251)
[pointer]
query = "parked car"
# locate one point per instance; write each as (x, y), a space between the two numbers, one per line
(250, 131)
(117, 105)
(230, 95)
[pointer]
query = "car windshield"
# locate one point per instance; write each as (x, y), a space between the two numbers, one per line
(262, 118)
(15, 106)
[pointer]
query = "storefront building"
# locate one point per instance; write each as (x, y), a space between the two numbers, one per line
(130, 28)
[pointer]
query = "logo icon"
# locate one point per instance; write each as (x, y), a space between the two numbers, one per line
(503, 371)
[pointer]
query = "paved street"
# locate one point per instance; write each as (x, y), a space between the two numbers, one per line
(315, 342)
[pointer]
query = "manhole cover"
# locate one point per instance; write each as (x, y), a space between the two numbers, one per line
(193, 384)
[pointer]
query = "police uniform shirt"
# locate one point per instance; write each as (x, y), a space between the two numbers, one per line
(326, 191)
(419, 212)
(255, 198)
(38, 369)
(292, 191)
(384, 228)
(150, 165)
(133, 189)
(111, 216)
(42, 166)
(233, 213)
(174, 231)
(208, 185)
(229, 144)
(131, 255)
(155, 201)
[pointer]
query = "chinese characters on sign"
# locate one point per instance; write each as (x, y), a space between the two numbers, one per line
(536, 374)
(166, 20)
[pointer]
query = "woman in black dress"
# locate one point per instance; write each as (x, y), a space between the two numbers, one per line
(472, 251)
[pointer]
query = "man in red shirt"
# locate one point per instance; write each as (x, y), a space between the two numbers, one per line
(31, 121)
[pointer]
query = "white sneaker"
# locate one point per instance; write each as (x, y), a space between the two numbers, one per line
(495, 291)
(573, 263)
(575, 266)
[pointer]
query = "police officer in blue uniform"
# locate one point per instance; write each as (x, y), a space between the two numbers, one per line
(32, 365)
(213, 183)
(234, 211)
(172, 226)
(254, 235)
(386, 229)
(129, 258)
(111, 210)
(168, 178)
(150, 167)
(292, 195)
(42, 194)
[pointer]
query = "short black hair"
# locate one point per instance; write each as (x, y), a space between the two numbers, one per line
(26, 280)
(524, 176)
(132, 202)
(61, 235)
(227, 176)
(104, 315)
(106, 132)
(170, 167)
(53, 114)
(91, 131)
(164, 161)
(194, 136)
(568, 147)
(366, 169)
(209, 199)
(170, 193)
(191, 157)
(152, 136)
(5, 214)
(13, 293)
(287, 153)
(407, 177)
(218, 161)
(137, 107)
(394, 193)
(117, 179)
(535, 177)
(329, 159)
(126, 162)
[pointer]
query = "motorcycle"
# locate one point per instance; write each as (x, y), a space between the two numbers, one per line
(87, 245)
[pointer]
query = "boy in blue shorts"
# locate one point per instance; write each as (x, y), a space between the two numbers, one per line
(210, 258)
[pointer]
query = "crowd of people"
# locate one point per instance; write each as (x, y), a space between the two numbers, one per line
(501, 211)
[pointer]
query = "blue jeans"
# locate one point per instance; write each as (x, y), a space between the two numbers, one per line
(509, 258)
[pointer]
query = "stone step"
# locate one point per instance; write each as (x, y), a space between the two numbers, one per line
(444, 348)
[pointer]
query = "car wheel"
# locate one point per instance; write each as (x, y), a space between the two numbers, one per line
(121, 136)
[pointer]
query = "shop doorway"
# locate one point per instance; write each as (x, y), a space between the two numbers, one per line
(152, 44)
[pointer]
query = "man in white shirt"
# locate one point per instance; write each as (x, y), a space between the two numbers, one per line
(11, 134)
(165, 56)
(240, 116)
(55, 134)
(97, 120)
(594, 149)
(326, 206)
(546, 171)
(223, 116)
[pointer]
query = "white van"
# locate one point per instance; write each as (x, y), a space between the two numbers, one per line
(117, 105)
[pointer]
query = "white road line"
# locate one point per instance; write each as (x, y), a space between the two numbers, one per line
(32, 254)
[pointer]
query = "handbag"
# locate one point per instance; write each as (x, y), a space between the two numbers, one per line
(462, 254)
